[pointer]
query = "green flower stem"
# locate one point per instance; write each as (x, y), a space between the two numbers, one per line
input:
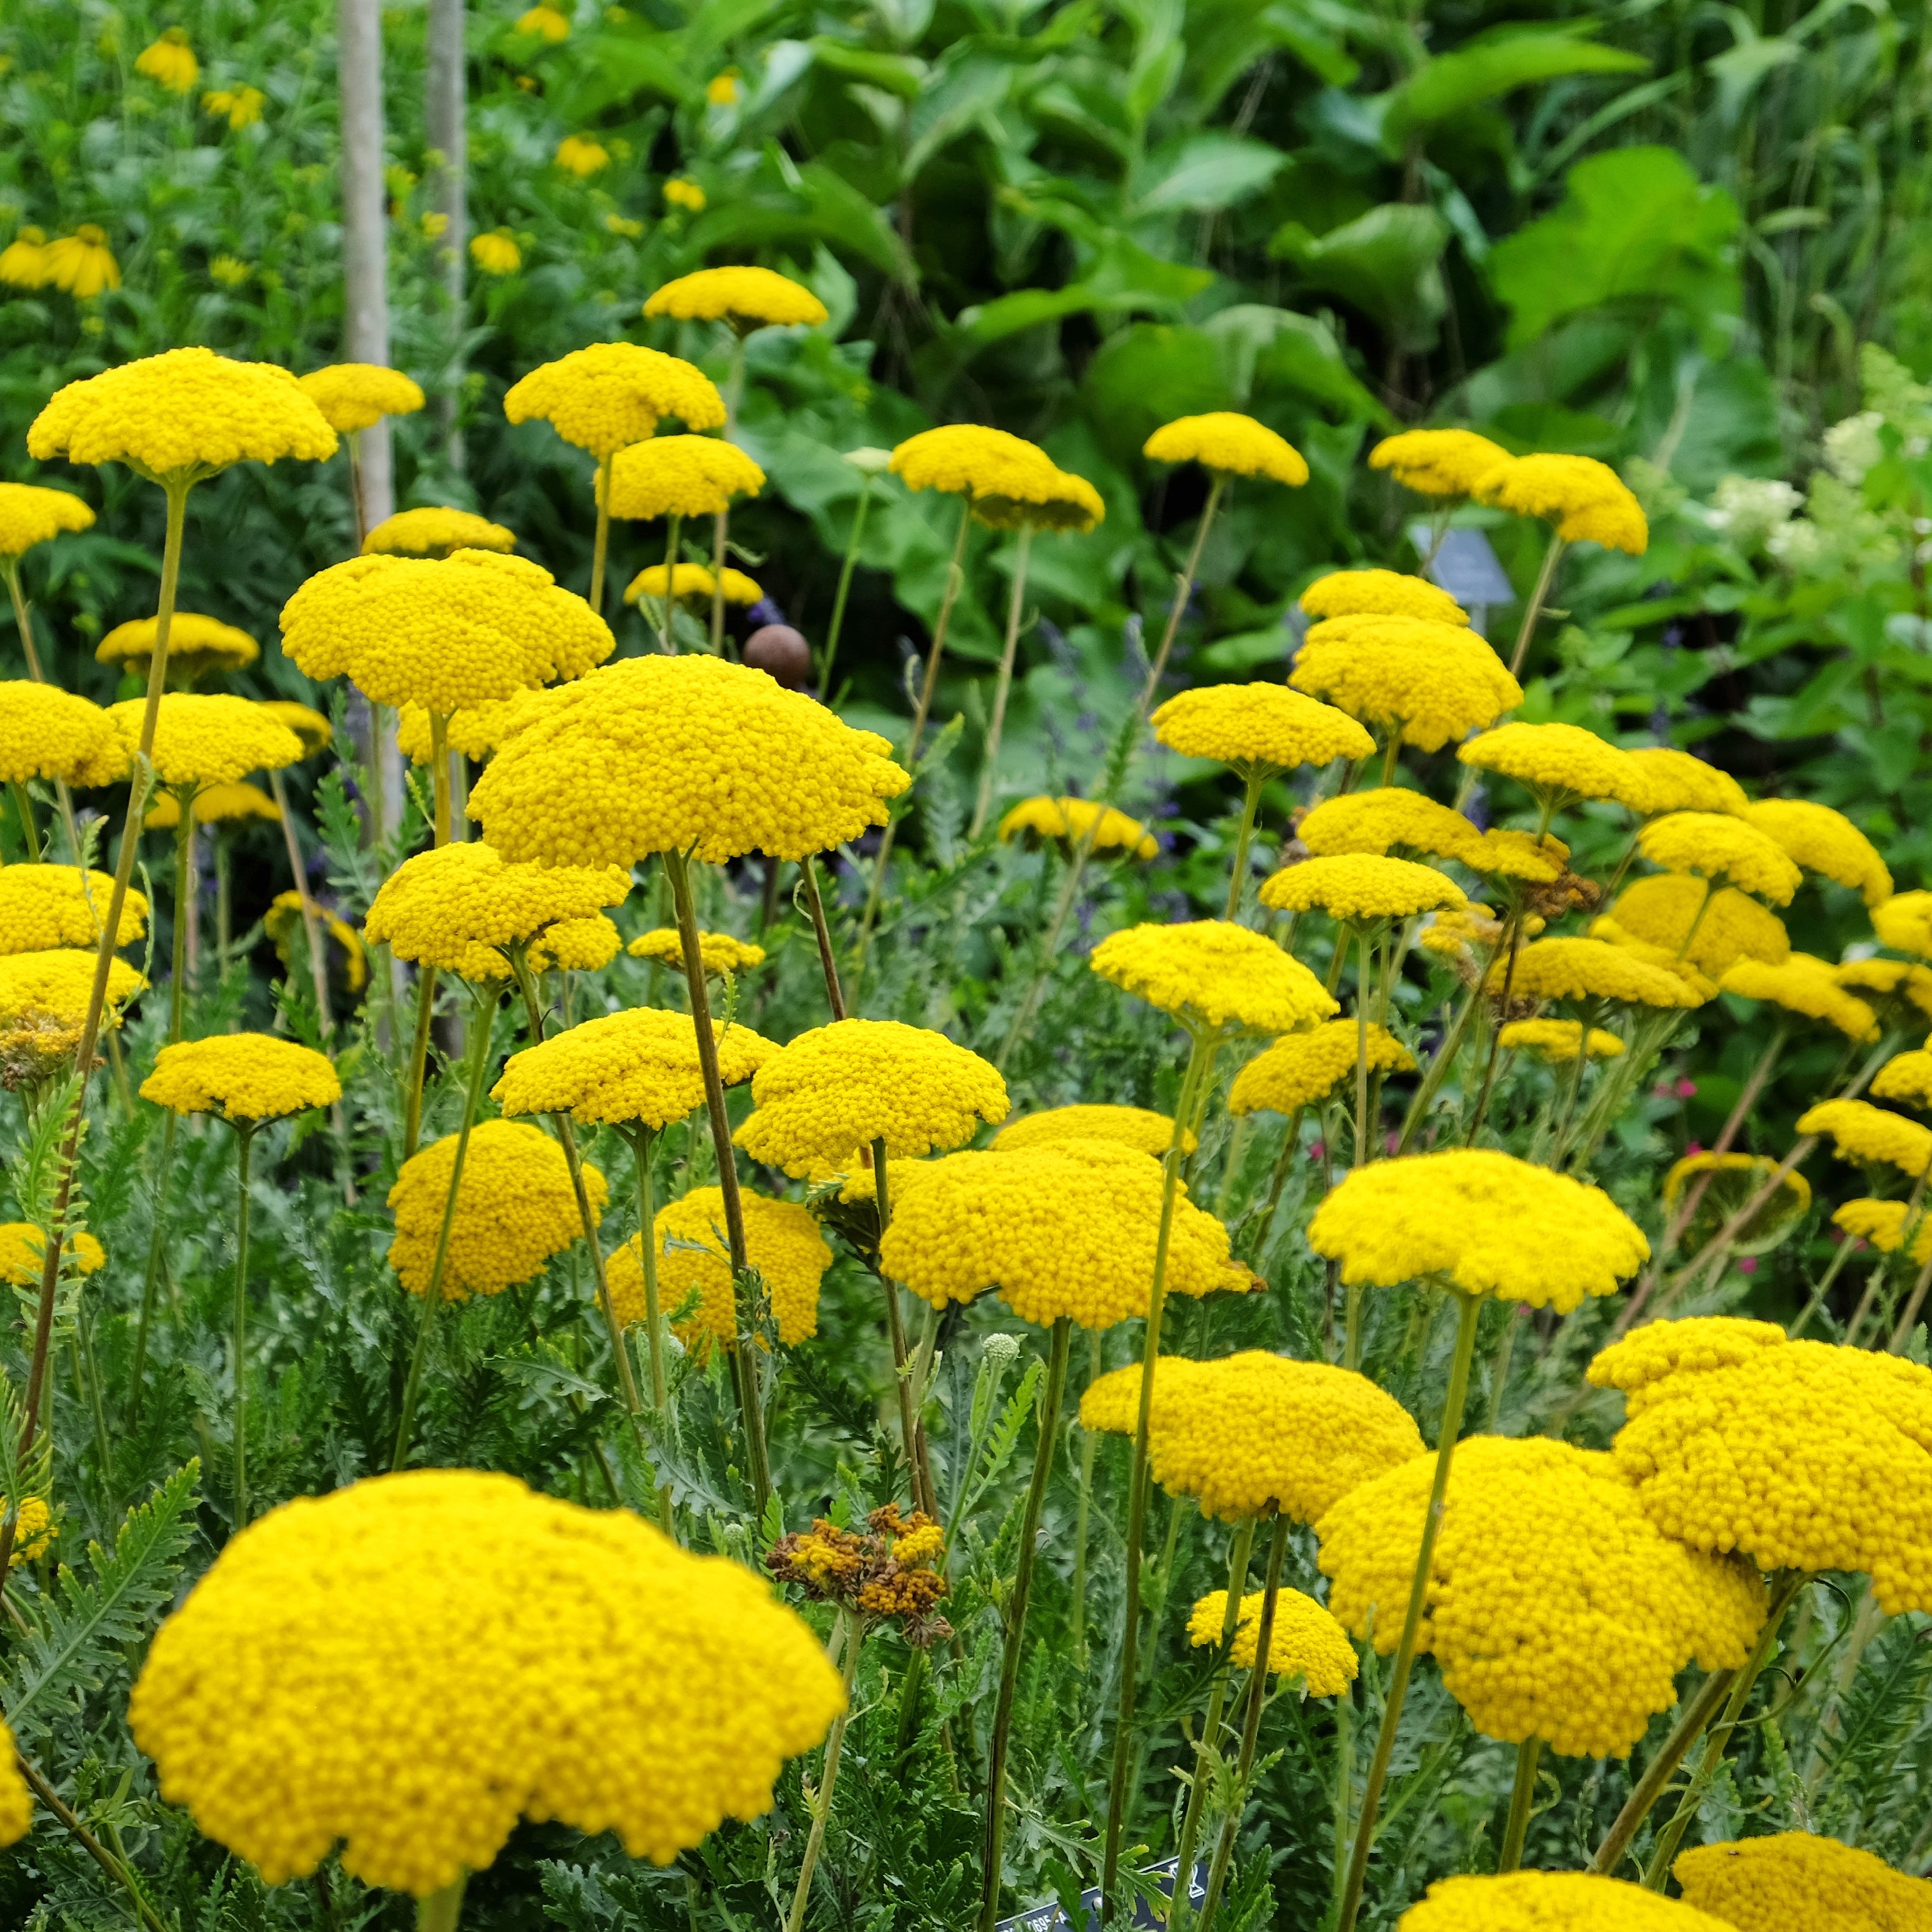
(1238, 1554)
(819, 1801)
(1251, 1728)
(1468, 1307)
(486, 996)
(224, 921)
(600, 488)
(1194, 1084)
(1660, 1770)
(441, 1911)
(1291, 1143)
(439, 771)
(1914, 1302)
(828, 960)
(1523, 1796)
(677, 871)
(151, 1279)
(922, 1498)
(845, 571)
(24, 806)
(1874, 1281)
(244, 1136)
(184, 914)
(734, 390)
(1391, 753)
(1846, 1249)
(1002, 683)
(1533, 609)
(116, 1868)
(668, 604)
(1589, 1011)
(1512, 937)
(1363, 1154)
(1251, 805)
(10, 569)
(642, 1139)
(1045, 1449)
(1089, 1444)
(418, 1058)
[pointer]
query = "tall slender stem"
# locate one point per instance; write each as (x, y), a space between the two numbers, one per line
(1362, 1154)
(1533, 609)
(438, 767)
(1523, 1796)
(922, 1496)
(1046, 1448)
(600, 547)
(1658, 1773)
(413, 1099)
(1184, 589)
(184, 914)
(668, 604)
(845, 571)
(1003, 684)
(10, 569)
(1237, 876)
(734, 389)
(821, 1801)
(23, 808)
(441, 1911)
(244, 1136)
(1469, 1307)
(641, 1139)
(1090, 1444)
(828, 960)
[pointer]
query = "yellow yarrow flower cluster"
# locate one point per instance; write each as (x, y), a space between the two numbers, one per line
(1065, 1230)
(186, 410)
(1586, 500)
(1454, 935)
(1799, 1454)
(16, 1802)
(1139, 1127)
(283, 921)
(1212, 972)
(578, 155)
(31, 513)
(214, 804)
(1870, 1136)
(1730, 1181)
(1438, 462)
(354, 396)
(474, 730)
(1710, 930)
(1882, 1224)
(1072, 821)
(838, 1088)
(1302, 1069)
(1304, 1641)
(1904, 922)
(1383, 817)
(743, 298)
(680, 191)
(1424, 682)
(436, 532)
(1559, 762)
(1503, 854)
(407, 1666)
(1380, 593)
(1557, 1041)
(782, 1242)
(1254, 1431)
(547, 23)
(1584, 970)
(57, 984)
(199, 740)
(611, 394)
(693, 582)
(33, 1528)
(196, 646)
(1794, 1879)
(1891, 980)
(1825, 842)
(680, 754)
(23, 1252)
(1010, 481)
(42, 907)
(240, 106)
(680, 476)
(1715, 847)
(1534, 1901)
(1230, 444)
(241, 1076)
(1805, 984)
(449, 906)
(444, 633)
(1905, 1076)
(640, 1065)
(1674, 781)
(721, 952)
(308, 724)
(514, 1209)
(1258, 729)
(496, 253)
(1484, 1222)
(1360, 889)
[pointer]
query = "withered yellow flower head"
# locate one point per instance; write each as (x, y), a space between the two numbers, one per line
(721, 952)
(1677, 782)
(1558, 763)
(1555, 1608)
(1258, 729)
(1557, 1041)
(744, 299)
(611, 394)
(39, 990)
(1139, 1127)
(1231, 444)
(1068, 1230)
(639, 1066)
(838, 1088)
(1806, 985)
(187, 410)
(1585, 499)
(435, 532)
(310, 1692)
(515, 1208)
(1380, 593)
(1582, 969)
(1904, 922)
(463, 907)
(1428, 682)
(1302, 1069)
(1536, 1901)
(1305, 1641)
(1798, 1878)
(355, 396)
(1438, 462)
(196, 645)
(680, 476)
(1011, 481)
(460, 631)
(1360, 889)
(1870, 1136)
(199, 740)
(1212, 972)
(1824, 841)
(1071, 821)
(1484, 1222)
(31, 515)
(240, 106)
(1382, 818)
(241, 1076)
(1669, 910)
(680, 754)
(42, 907)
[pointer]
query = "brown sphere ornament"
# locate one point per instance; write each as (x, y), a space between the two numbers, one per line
(782, 651)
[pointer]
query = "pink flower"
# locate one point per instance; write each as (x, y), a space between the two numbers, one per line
(1748, 1265)
(1686, 1089)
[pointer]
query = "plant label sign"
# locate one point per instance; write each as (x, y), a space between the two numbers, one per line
(1052, 1918)
(1463, 564)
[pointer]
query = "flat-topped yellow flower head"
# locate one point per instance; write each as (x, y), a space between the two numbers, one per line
(1229, 444)
(310, 1693)
(214, 804)
(638, 1067)
(196, 645)
(1010, 481)
(680, 476)
(1806, 985)
(1585, 970)
(1557, 1042)
(1558, 763)
(1730, 1184)
(443, 634)
(1534, 1901)
(1484, 1223)
(1824, 842)
(43, 1000)
(241, 1076)
(1800, 1455)
(1072, 822)
(1904, 922)
(200, 740)
(463, 907)
(23, 1252)
(1711, 931)
(607, 397)
(743, 298)
(1360, 889)
(838, 1088)
(1423, 681)
(1899, 989)
(722, 952)
(1302, 1069)
(1258, 729)
(1305, 1640)
(1882, 1224)
(1798, 1878)
(1586, 500)
(186, 411)
(42, 907)
(1438, 462)
(436, 532)
(1212, 972)
(578, 155)
(1139, 1127)
(1384, 818)
(1066, 1231)
(31, 515)
(354, 396)
(1380, 593)
(1500, 853)
(1676, 781)
(1870, 1136)
(1905, 1077)
(680, 754)
(692, 583)
(1555, 1608)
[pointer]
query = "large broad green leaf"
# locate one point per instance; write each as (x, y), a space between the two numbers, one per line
(1384, 263)
(618, 67)
(1496, 63)
(901, 74)
(1269, 350)
(1635, 227)
(1124, 277)
(1148, 374)
(966, 89)
(1205, 171)
(822, 208)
